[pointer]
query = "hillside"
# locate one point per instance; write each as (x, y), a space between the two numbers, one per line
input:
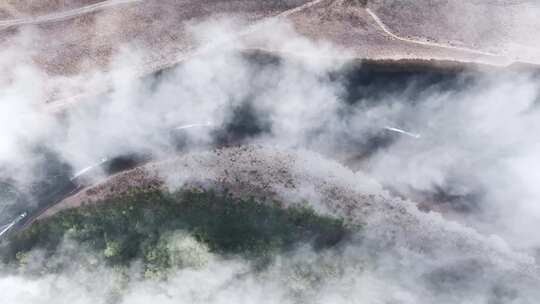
(83, 41)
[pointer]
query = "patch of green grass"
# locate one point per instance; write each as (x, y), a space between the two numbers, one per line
(132, 227)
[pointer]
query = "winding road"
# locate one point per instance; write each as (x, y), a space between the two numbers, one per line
(387, 31)
(65, 14)
(108, 3)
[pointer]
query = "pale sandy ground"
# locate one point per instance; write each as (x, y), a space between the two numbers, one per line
(84, 43)
(507, 27)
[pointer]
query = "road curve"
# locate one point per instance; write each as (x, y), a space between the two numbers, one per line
(65, 14)
(385, 28)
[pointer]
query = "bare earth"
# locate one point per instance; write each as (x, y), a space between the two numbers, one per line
(507, 27)
(78, 37)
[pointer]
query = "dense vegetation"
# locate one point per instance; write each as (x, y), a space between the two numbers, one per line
(140, 226)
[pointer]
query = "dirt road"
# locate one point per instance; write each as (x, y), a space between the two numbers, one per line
(64, 15)
(383, 26)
